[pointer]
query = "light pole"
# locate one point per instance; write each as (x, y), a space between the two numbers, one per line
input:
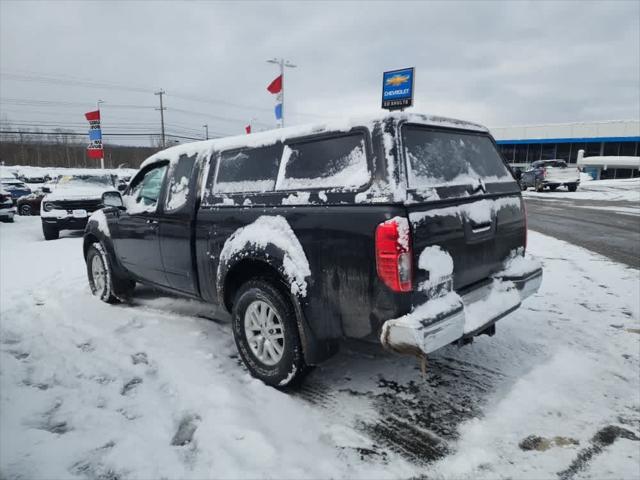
(206, 131)
(283, 63)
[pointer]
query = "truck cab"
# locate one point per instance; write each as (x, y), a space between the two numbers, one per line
(405, 230)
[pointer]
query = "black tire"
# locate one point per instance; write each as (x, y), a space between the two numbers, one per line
(291, 367)
(539, 187)
(50, 232)
(553, 188)
(25, 210)
(523, 186)
(111, 289)
(572, 187)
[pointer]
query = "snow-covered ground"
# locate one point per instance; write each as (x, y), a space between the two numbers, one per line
(600, 190)
(155, 389)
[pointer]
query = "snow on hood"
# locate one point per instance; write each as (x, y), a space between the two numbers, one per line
(77, 193)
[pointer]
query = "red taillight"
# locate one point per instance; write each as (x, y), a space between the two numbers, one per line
(394, 258)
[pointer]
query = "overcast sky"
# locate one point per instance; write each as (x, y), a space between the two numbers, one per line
(497, 63)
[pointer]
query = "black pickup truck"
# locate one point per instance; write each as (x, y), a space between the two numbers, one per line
(408, 230)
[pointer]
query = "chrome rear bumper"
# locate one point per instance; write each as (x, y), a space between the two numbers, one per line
(453, 317)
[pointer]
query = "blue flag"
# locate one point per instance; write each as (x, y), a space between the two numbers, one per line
(95, 134)
(278, 111)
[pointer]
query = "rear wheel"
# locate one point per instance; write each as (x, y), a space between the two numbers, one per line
(539, 187)
(50, 232)
(523, 186)
(572, 187)
(266, 334)
(553, 188)
(25, 210)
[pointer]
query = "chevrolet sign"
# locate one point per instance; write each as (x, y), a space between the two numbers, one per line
(397, 89)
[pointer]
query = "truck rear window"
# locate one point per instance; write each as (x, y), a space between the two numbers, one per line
(437, 158)
(337, 162)
(249, 170)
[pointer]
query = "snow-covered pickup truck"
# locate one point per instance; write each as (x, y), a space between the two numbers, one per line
(70, 200)
(408, 230)
(550, 174)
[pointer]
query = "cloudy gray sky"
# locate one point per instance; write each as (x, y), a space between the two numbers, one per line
(497, 63)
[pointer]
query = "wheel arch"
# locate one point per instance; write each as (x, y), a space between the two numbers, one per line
(269, 265)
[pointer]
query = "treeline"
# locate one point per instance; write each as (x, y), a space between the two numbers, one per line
(60, 149)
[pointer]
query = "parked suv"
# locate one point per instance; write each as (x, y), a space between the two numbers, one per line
(407, 230)
(70, 200)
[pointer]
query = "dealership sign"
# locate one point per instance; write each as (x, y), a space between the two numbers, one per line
(94, 149)
(397, 89)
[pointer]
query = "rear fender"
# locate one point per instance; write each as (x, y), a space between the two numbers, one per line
(268, 260)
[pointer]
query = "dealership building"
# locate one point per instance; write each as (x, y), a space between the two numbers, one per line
(611, 148)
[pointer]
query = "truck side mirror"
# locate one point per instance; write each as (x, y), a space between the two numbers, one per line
(112, 199)
(46, 189)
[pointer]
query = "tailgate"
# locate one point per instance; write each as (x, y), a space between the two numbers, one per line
(561, 174)
(478, 233)
(462, 198)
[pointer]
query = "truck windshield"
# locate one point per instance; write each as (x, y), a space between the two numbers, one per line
(438, 158)
(88, 180)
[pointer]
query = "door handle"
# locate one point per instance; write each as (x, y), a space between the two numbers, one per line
(481, 228)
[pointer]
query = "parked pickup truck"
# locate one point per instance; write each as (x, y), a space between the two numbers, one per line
(70, 200)
(408, 230)
(550, 174)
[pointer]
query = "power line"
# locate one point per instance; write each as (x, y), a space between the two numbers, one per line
(74, 81)
(77, 134)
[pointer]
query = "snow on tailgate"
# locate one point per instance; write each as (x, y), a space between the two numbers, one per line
(271, 230)
(480, 211)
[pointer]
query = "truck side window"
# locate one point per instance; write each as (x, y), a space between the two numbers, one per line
(248, 170)
(144, 193)
(338, 162)
(178, 186)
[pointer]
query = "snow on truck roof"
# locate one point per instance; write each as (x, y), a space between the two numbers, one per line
(269, 137)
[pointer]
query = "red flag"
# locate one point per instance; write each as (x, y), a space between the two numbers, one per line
(275, 86)
(247, 129)
(95, 152)
(92, 115)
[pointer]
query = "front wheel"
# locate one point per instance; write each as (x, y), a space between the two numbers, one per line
(102, 282)
(25, 210)
(266, 334)
(50, 232)
(572, 187)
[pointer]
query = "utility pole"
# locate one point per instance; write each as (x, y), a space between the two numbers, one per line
(206, 131)
(282, 63)
(162, 109)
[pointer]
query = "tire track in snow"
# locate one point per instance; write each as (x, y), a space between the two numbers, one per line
(397, 408)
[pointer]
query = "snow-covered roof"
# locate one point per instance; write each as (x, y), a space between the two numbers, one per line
(610, 161)
(272, 136)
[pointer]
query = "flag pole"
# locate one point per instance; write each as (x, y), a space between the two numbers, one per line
(101, 140)
(282, 91)
(282, 63)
